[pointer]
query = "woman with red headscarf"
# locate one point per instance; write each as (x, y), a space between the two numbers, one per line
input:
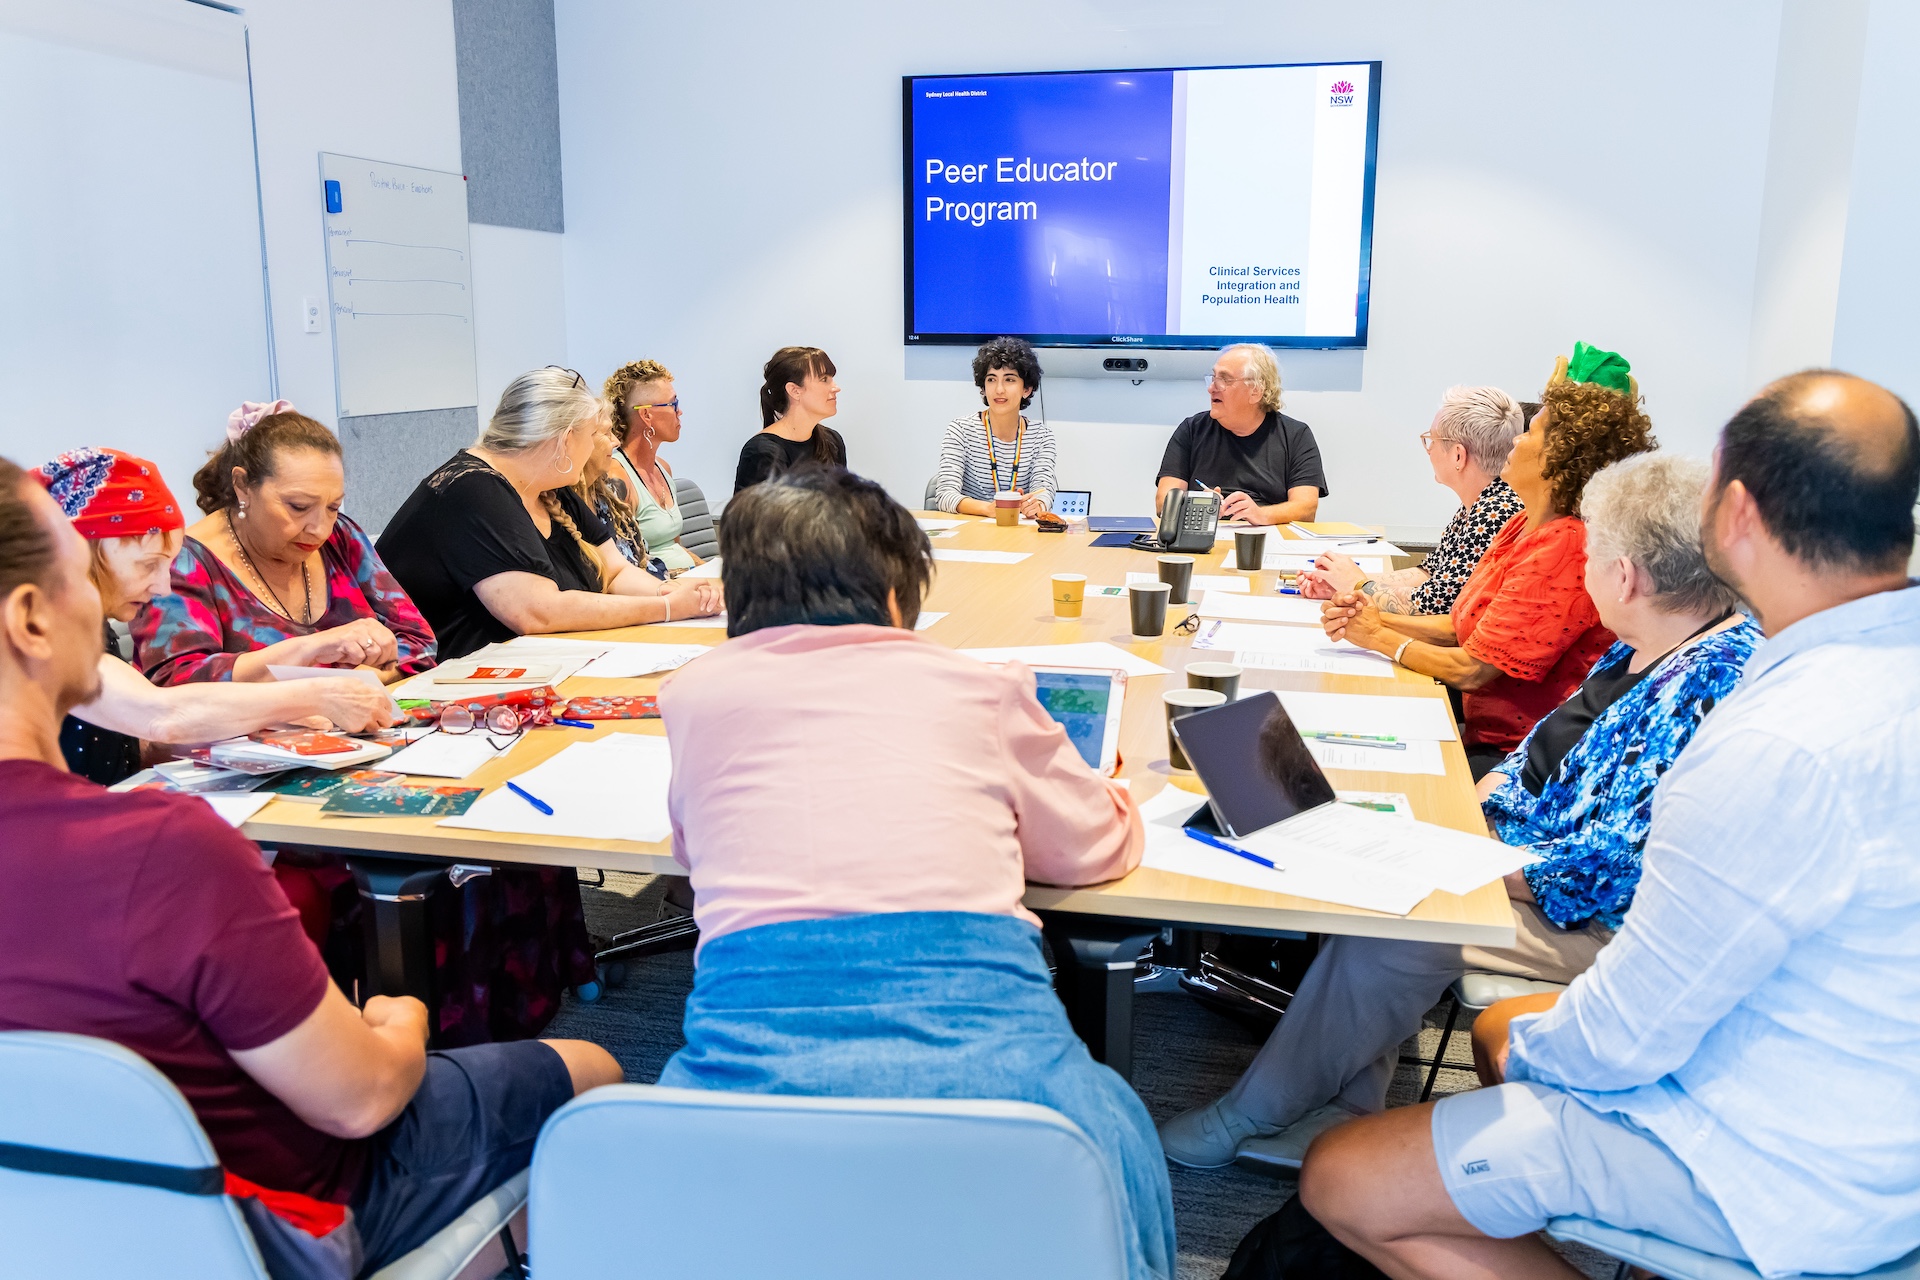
(133, 527)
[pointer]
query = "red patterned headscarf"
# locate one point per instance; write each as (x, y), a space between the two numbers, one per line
(110, 494)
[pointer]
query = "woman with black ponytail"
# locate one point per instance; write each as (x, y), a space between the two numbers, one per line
(797, 395)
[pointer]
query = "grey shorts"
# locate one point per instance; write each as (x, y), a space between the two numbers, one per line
(1514, 1156)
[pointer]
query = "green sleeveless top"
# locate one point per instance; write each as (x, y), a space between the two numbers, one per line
(660, 525)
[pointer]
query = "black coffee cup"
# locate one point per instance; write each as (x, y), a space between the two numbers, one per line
(1184, 702)
(1249, 549)
(1221, 677)
(1149, 603)
(1177, 573)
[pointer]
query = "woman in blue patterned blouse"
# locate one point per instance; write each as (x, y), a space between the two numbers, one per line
(1577, 791)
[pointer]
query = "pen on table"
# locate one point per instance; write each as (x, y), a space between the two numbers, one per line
(575, 724)
(1358, 740)
(1204, 838)
(530, 798)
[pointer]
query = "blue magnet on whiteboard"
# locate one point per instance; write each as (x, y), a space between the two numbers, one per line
(333, 196)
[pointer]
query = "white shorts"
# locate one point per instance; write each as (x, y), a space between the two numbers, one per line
(1515, 1156)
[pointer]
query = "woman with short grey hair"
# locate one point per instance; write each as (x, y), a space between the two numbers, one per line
(1577, 792)
(1467, 446)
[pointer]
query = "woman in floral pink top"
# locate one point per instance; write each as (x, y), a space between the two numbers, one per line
(274, 574)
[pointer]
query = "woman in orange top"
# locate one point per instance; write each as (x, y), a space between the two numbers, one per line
(1523, 633)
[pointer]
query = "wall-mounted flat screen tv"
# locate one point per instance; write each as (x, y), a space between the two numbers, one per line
(1156, 208)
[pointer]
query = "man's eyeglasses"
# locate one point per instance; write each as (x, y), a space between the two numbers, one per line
(673, 404)
(578, 381)
(1227, 380)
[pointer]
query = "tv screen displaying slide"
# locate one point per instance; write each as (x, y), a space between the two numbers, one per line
(1169, 208)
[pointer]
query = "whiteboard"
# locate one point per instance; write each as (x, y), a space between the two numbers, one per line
(135, 309)
(400, 285)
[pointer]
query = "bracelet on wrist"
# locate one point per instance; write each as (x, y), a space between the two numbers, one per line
(666, 602)
(1402, 649)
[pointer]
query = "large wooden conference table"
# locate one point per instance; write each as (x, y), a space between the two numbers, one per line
(1096, 933)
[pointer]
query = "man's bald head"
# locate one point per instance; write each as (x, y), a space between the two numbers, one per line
(1833, 464)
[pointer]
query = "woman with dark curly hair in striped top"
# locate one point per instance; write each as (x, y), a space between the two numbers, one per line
(998, 449)
(1523, 632)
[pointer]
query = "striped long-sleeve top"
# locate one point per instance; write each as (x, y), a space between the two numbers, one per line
(971, 468)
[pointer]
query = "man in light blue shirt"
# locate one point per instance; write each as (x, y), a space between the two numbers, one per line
(1740, 1070)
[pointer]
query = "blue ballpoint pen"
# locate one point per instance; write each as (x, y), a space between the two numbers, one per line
(538, 803)
(1206, 838)
(575, 724)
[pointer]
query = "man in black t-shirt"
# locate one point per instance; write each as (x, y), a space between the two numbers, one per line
(1265, 463)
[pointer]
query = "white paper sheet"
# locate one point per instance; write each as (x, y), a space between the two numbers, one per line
(981, 557)
(1291, 649)
(613, 788)
(1400, 806)
(445, 755)
(1285, 559)
(1323, 879)
(926, 620)
(705, 569)
(1422, 853)
(1091, 653)
(235, 807)
(934, 524)
(1260, 608)
(1419, 757)
(623, 660)
(1202, 582)
(1388, 716)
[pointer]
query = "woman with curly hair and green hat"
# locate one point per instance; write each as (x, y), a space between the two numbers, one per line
(1523, 632)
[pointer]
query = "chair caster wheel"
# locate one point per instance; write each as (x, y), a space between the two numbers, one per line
(588, 992)
(611, 974)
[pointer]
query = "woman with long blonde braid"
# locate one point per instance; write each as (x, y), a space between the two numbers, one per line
(497, 543)
(639, 487)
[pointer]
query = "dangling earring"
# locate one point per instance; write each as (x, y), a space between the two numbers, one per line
(649, 431)
(568, 469)
(243, 511)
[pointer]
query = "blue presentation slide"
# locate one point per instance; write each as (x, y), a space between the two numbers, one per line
(1158, 208)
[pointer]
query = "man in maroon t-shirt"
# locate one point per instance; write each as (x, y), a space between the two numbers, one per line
(146, 920)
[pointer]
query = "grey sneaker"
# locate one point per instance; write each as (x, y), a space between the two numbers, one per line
(1206, 1137)
(1283, 1152)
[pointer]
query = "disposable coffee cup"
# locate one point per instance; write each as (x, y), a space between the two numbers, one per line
(1221, 677)
(1149, 604)
(1184, 702)
(1249, 548)
(1006, 508)
(1177, 573)
(1069, 594)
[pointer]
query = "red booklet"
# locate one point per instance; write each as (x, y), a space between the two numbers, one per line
(306, 742)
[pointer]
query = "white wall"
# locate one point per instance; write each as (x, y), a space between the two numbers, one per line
(1542, 178)
(1877, 330)
(376, 78)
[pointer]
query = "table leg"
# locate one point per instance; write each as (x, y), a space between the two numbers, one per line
(1094, 959)
(393, 898)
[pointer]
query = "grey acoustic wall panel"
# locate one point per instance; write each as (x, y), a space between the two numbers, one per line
(387, 454)
(509, 112)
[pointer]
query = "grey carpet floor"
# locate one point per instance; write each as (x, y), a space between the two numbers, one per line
(1183, 1055)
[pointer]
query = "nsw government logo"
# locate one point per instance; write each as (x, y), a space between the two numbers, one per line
(1341, 94)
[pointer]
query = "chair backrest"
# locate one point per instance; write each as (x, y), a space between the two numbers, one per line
(88, 1097)
(696, 530)
(933, 489)
(853, 1188)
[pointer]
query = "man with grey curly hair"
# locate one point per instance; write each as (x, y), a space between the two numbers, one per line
(1467, 446)
(1264, 463)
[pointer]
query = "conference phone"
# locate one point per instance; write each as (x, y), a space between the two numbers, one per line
(1189, 518)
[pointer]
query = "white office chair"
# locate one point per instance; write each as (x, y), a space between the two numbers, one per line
(1473, 992)
(756, 1185)
(105, 1173)
(1677, 1262)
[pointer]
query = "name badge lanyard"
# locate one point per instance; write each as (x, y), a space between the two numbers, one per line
(993, 463)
